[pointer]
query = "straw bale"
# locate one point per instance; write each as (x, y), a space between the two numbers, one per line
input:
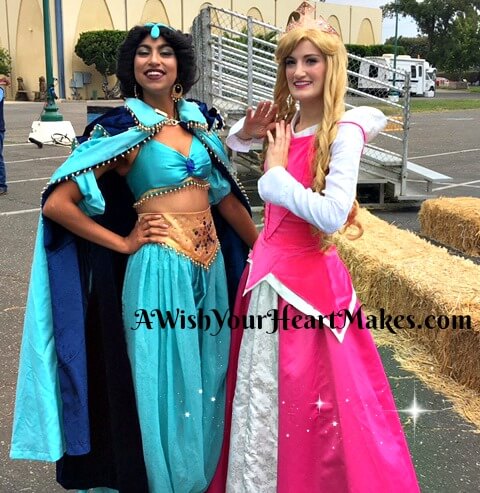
(394, 124)
(405, 275)
(453, 221)
(416, 359)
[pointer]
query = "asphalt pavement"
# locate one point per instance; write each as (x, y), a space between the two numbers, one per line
(444, 446)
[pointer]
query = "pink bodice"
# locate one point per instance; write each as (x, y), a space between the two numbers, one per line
(287, 228)
(287, 254)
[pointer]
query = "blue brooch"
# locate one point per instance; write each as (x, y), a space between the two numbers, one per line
(155, 28)
(190, 164)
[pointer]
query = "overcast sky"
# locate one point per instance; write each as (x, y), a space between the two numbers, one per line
(406, 26)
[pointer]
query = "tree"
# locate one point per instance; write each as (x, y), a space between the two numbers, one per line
(100, 48)
(415, 47)
(465, 52)
(5, 62)
(445, 23)
(373, 50)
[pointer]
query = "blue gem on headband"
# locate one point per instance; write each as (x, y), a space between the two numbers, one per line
(155, 28)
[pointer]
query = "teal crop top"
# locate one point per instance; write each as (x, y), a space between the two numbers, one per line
(158, 167)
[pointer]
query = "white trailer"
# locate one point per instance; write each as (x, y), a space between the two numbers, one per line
(380, 74)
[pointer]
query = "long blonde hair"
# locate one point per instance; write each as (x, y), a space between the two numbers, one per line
(334, 88)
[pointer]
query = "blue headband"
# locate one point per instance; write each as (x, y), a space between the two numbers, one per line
(155, 28)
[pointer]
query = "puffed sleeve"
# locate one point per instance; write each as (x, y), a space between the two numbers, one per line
(93, 202)
(237, 144)
(219, 187)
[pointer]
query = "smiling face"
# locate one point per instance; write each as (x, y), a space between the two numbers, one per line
(155, 67)
(305, 69)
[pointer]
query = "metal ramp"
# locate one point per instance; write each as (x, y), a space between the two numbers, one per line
(236, 53)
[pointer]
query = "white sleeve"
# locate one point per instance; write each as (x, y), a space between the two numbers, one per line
(328, 212)
(371, 120)
(237, 144)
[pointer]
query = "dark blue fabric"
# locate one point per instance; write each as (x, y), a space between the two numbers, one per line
(213, 117)
(3, 173)
(115, 121)
(2, 119)
(116, 456)
(69, 332)
(3, 176)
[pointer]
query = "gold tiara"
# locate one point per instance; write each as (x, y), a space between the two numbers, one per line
(304, 17)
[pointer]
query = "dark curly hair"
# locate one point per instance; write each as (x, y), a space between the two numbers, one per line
(184, 53)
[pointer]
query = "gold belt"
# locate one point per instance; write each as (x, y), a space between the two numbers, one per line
(191, 234)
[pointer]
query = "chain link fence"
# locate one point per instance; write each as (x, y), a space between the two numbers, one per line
(236, 54)
(373, 83)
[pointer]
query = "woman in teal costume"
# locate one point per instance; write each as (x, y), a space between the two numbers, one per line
(175, 274)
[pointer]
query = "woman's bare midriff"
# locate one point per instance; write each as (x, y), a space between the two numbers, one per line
(188, 199)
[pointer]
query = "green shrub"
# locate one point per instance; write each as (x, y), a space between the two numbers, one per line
(100, 48)
(5, 62)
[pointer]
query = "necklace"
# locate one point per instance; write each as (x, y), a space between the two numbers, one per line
(169, 121)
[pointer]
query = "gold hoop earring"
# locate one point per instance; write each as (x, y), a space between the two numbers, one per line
(177, 92)
(290, 102)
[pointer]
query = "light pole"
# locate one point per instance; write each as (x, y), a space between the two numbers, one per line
(51, 123)
(50, 111)
(395, 45)
(394, 93)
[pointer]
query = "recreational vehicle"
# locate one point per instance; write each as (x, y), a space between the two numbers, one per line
(379, 76)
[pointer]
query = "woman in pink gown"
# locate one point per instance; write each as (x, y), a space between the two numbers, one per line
(312, 408)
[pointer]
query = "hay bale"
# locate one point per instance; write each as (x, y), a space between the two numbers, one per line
(394, 124)
(453, 221)
(405, 275)
(414, 358)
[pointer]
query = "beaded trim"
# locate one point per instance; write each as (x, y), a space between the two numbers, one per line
(198, 264)
(96, 166)
(99, 127)
(193, 125)
(157, 192)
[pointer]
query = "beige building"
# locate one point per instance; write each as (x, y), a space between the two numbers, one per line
(21, 30)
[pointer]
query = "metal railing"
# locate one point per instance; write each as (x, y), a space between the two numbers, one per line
(236, 53)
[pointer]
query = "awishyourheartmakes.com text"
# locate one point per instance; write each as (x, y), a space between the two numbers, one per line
(213, 321)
